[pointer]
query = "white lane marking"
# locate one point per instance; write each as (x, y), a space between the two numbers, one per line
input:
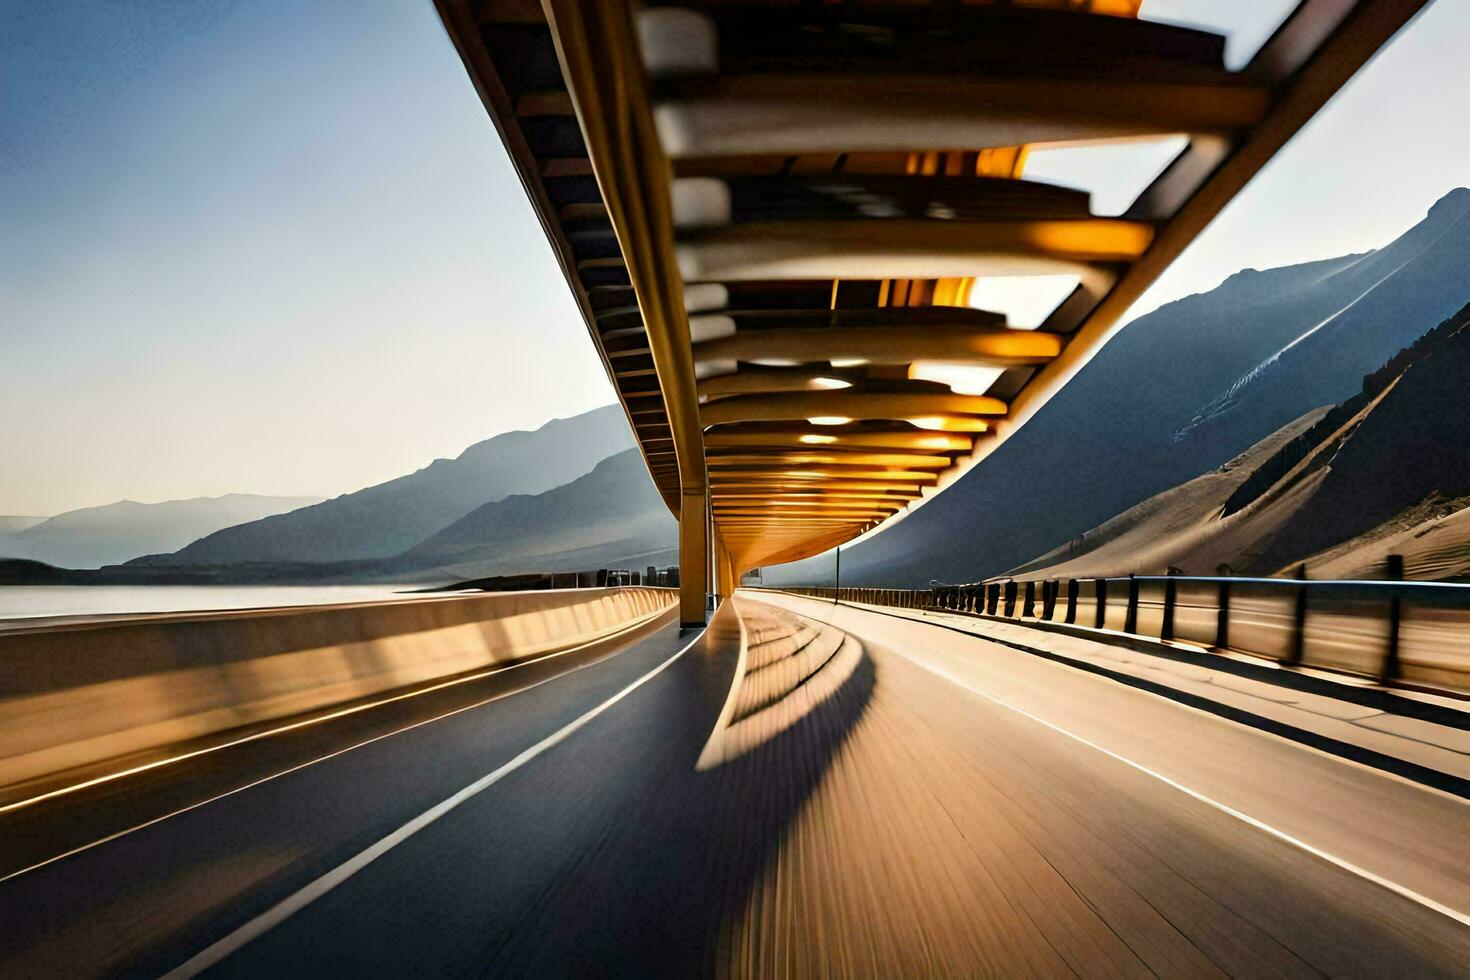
(330, 755)
(1225, 808)
(288, 907)
(281, 729)
(1393, 886)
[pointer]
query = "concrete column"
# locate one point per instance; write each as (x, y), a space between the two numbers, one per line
(693, 560)
(724, 569)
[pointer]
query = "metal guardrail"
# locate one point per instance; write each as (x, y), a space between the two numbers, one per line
(598, 578)
(897, 598)
(1391, 631)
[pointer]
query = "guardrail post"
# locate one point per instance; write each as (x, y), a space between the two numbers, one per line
(1028, 608)
(1072, 590)
(1222, 610)
(1395, 611)
(1102, 603)
(1130, 619)
(1010, 600)
(1171, 594)
(1048, 599)
(1299, 619)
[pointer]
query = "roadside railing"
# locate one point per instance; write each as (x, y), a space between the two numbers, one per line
(597, 578)
(1391, 631)
(898, 598)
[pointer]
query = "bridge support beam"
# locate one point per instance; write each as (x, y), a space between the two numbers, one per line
(693, 558)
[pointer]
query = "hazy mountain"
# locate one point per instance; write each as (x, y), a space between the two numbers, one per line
(611, 515)
(1384, 472)
(1176, 393)
(11, 524)
(96, 536)
(388, 518)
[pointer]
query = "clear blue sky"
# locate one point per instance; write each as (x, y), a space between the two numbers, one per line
(276, 247)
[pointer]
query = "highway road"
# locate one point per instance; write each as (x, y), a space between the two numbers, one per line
(792, 792)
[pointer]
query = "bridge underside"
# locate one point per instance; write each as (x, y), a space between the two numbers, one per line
(782, 221)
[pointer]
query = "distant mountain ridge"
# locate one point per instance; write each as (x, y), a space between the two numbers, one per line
(1176, 393)
(611, 514)
(95, 536)
(1377, 285)
(387, 519)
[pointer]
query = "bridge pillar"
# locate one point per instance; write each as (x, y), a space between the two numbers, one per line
(693, 559)
(724, 570)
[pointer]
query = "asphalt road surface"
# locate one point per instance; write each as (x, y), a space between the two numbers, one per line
(820, 799)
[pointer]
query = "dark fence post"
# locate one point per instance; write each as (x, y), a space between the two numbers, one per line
(1029, 607)
(1048, 599)
(1395, 611)
(1010, 600)
(1222, 610)
(1299, 619)
(1072, 591)
(1102, 603)
(1130, 619)
(993, 600)
(1171, 595)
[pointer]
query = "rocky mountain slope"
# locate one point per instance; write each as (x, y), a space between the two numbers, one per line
(1386, 471)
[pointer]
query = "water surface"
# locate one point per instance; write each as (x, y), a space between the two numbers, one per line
(48, 601)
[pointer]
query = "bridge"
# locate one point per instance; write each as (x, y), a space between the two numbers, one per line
(773, 218)
(777, 220)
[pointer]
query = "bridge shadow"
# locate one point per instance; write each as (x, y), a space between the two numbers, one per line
(659, 892)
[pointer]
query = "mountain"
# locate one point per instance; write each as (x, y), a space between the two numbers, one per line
(387, 519)
(1168, 528)
(1386, 471)
(611, 516)
(1174, 394)
(96, 536)
(11, 524)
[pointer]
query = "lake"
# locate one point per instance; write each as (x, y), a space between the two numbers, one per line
(47, 601)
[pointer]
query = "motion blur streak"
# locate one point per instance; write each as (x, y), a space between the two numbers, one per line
(282, 911)
(879, 797)
(331, 716)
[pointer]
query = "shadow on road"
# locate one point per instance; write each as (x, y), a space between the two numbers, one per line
(658, 890)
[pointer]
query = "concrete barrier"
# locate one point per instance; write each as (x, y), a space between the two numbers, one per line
(77, 695)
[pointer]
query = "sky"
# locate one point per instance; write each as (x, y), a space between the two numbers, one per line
(276, 247)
